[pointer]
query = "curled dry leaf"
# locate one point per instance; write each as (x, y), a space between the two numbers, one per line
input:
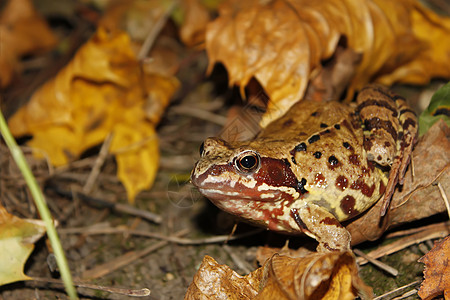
(22, 31)
(437, 271)
(282, 43)
(316, 276)
(419, 198)
(101, 91)
(196, 17)
(17, 238)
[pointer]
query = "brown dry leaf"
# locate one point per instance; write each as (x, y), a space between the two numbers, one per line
(101, 91)
(196, 17)
(316, 276)
(419, 198)
(215, 281)
(22, 31)
(437, 271)
(282, 43)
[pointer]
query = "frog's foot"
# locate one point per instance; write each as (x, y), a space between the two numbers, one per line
(321, 225)
(392, 133)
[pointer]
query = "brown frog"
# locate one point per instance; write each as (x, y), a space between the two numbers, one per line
(318, 165)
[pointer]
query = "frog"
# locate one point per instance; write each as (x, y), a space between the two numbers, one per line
(320, 164)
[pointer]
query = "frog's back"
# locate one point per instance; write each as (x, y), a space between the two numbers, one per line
(306, 118)
(323, 143)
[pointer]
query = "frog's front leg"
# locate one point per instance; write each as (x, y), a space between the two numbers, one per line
(321, 225)
(391, 128)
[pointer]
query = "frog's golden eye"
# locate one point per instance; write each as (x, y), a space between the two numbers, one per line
(247, 162)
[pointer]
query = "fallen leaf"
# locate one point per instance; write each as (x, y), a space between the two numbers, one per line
(439, 108)
(196, 17)
(215, 281)
(17, 238)
(316, 276)
(437, 271)
(282, 43)
(102, 90)
(22, 31)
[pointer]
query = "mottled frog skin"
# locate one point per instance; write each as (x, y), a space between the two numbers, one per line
(314, 167)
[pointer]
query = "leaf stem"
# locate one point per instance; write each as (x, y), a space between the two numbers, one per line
(41, 205)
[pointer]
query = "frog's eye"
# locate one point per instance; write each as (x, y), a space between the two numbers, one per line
(247, 162)
(202, 148)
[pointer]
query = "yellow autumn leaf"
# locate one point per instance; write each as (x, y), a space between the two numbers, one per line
(138, 163)
(101, 91)
(283, 43)
(17, 237)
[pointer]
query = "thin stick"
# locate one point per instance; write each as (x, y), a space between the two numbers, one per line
(397, 290)
(41, 205)
(199, 113)
(406, 295)
(404, 243)
(182, 241)
(377, 263)
(87, 188)
(123, 208)
(126, 259)
(127, 292)
(155, 30)
(444, 197)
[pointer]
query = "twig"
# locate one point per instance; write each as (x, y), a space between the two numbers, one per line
(182, 241)
(404, 243)
(432, 227)
(377, 263)
(444, 197)
(87, 188)
(119, 207)
(397, 290)
(199, 113)
(240, 263)
(127, 292)
(41, 205)
(126, 259)
(155, 30)
(406, 295)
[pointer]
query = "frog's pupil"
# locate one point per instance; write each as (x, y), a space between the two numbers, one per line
(248, 161)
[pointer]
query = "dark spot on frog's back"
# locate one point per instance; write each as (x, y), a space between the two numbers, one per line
(354, 159)
(367, 191)
(319, 179)
(333, 161)
(323, 125)
(409, 122)
(348, 206)
(347, 146)
(341, 182)
(300, 147)
(314, 138)
(315, 114)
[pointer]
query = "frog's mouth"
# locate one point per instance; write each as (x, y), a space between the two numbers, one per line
(220, 185)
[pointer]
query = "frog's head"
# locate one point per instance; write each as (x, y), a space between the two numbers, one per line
(236, 175)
